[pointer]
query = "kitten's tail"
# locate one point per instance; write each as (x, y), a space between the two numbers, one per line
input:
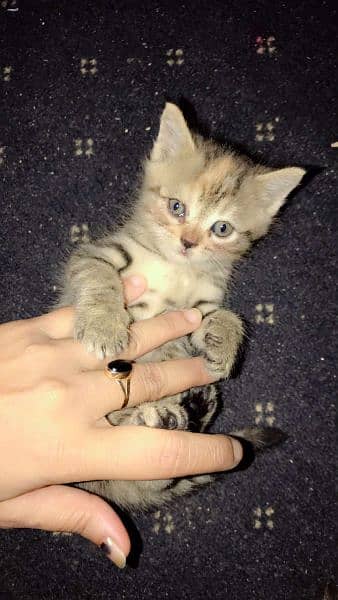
(261, 437)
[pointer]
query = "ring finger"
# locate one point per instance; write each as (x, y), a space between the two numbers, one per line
(149, 381)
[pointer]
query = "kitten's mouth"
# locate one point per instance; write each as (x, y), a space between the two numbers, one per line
(183, 255)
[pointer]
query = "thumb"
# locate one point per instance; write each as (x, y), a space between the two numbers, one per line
(61, 508)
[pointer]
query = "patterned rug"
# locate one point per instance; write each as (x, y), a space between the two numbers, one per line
(82, 86)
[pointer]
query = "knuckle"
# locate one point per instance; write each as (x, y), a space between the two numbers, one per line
(10, 519)
(34, 349)
(172, 323)
(136, 343)
(173, 454)
(58, 456)
(53, 393)
(40, 351)
(153, 381)
(52, 384)
(180, 455)
(221, 453)
(83, 520)
(80, 521)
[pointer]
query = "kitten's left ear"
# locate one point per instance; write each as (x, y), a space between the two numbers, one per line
(174, 138)
(275, 186)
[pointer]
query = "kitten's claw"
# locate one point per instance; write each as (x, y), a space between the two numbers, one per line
(78, 334)
(105, 334)
(218, 339)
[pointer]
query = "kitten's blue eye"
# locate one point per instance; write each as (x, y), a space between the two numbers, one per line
(222, 228)
(176, 207)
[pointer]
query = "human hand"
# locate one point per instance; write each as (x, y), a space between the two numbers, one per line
(53, 398)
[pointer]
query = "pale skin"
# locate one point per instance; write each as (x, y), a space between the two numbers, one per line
(53, 400)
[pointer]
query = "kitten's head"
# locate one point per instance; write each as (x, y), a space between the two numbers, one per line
(202, 202)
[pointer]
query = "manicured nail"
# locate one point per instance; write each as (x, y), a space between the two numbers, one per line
(136, 281)
(237, 450)
(113, 552)
(193, 315)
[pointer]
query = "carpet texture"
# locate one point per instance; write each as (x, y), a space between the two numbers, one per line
(82, 87)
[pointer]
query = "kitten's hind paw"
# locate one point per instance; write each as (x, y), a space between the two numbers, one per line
(218, 339)
(104, 333)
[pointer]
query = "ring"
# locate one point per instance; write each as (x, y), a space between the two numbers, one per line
(120, 371)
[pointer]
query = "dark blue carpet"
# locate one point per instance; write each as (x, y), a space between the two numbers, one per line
(82, 85)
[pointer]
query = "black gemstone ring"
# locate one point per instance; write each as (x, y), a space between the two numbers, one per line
(120, 371)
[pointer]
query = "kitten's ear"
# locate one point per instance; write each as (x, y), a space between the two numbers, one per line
(174, 137)
(275, 186)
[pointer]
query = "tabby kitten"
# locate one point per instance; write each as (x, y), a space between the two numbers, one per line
(200, 207)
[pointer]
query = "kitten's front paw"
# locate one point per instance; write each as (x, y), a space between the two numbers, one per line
(104, 332)
(219, 338)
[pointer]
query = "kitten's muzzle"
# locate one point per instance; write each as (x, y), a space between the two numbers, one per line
(188, 243)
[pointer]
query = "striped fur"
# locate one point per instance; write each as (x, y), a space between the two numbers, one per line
(186, 264)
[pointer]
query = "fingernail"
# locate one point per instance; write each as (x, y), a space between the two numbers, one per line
(111, 549)
(193, 315)
(237, 450)
(136, 281)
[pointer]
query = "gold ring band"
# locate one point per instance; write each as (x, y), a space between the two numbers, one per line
(120, 371)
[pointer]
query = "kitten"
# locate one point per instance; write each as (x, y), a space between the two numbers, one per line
(199, 209)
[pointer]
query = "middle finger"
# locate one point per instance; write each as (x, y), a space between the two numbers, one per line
(149, 334)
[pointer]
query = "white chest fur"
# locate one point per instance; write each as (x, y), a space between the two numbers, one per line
(170, 285)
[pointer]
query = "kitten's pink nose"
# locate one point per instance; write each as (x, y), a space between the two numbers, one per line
(188, 243)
